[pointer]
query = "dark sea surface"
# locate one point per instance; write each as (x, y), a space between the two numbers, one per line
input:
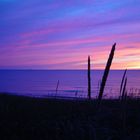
(72, 83)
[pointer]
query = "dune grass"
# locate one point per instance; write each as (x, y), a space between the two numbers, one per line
(122, 82)
(105, 75)
(89, 79)
(53, 119)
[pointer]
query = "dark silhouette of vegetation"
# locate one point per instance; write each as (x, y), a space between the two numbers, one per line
(124, 90)
(57, 86)
(106, 72)
(124, 108)
(122, 82)
(124, 115)
(89, 79)
(55, 119)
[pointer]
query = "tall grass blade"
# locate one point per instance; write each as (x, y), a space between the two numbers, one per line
(89, 79)
(57, 86)
(124, 89)
(122, 82)
(106, 72)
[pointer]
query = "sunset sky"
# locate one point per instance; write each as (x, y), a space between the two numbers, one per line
(60, 34)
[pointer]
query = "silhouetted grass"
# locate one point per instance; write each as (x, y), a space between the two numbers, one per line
(51, 119)
(124, 107)
(57, 86)
(122, 82)
(89, 79)
(124, 90)
(106, 72)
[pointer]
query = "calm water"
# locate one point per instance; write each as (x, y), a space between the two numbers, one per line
(72, 83)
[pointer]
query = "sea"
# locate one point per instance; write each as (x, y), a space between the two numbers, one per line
(67, 83)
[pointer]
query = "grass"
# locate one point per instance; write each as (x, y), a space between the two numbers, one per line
(122, 82)
(53, 119)
(89, 79)
(105, 75)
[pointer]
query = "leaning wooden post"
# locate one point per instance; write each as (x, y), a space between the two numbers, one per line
(89, 79)
(106, 72)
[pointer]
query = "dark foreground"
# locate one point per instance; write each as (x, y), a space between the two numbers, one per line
(24, 118)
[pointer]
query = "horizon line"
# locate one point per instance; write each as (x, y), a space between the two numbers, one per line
(66, 69)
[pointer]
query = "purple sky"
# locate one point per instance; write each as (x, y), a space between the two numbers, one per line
(60, 34)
